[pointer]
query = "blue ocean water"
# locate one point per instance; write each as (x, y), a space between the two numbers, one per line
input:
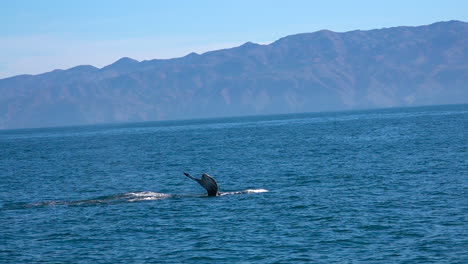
(375, 186)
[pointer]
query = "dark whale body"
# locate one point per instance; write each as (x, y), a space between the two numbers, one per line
(206, 182)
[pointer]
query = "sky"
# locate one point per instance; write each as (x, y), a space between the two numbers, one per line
(38, 36)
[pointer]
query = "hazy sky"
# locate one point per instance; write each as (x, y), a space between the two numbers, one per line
(42, 35)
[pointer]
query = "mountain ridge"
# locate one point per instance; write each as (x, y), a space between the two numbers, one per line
(305, 72)
(288, 36)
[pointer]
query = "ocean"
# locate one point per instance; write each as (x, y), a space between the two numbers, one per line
(371, 186)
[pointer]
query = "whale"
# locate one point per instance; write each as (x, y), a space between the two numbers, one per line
(206, 182)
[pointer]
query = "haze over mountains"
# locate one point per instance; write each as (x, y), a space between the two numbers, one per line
(320, 71)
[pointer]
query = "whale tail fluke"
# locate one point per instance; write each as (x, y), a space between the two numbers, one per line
(193, 178)
(206, 182)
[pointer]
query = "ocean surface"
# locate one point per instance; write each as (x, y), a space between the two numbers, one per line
(374, 186)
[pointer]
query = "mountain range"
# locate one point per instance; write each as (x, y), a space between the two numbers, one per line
(319, 71)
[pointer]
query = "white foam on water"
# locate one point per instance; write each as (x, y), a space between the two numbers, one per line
(146, 196)
(255, 191)
(248, 191)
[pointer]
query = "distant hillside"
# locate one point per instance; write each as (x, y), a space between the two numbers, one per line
(318, 71)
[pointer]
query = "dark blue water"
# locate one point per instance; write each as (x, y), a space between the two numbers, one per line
(380, 186)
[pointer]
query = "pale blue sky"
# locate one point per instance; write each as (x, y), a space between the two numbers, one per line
(42, 35)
